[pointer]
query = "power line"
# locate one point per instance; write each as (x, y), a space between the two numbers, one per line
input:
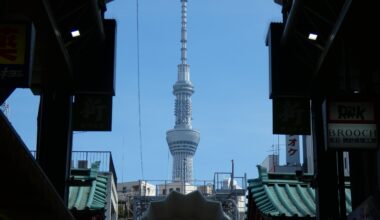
(138, 88)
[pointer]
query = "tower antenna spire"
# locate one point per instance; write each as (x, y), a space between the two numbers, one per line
(184, 32)
(183, 139)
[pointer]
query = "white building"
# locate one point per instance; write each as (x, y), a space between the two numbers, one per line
(206, 189)
(308, 158)
(181, 187)
(111, 212)
(135, 188)
(292, 163)
(271, 162)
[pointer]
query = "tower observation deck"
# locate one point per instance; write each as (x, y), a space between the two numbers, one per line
(183, 139)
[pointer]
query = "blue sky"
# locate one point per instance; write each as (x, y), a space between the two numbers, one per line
(229, 69)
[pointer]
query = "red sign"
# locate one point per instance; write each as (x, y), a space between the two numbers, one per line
(16, 40)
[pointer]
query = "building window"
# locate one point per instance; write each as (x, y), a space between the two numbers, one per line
(135, 188)
(171, 190)
(164, 192)
(177, 189)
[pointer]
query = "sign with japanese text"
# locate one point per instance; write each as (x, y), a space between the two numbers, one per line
(292, 150)
(350, 125)
(92, 113)
(16, 41)
(291, 116)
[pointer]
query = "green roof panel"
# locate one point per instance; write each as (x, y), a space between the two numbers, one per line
(89, 197)
(275, 195)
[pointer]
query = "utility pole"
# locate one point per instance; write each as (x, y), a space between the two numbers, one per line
(232, 176)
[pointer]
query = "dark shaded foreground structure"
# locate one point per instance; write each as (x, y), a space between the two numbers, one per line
(26, 192)
(191, 206)
(323, 53)
(59, 67)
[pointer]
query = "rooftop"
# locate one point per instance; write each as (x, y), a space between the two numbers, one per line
(88, 190)
(286, 194)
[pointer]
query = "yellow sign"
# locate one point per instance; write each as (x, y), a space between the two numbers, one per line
(12, 43)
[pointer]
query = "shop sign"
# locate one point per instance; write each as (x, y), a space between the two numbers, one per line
(92, 112)
(291, 116)
(350, 125)
(16, 43)
(292, 150)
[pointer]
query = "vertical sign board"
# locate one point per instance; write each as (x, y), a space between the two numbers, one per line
(92, 112)
(288, 75)
(16, 43)
(292, 150)
(291, 115)
(350, 125)
(95, 67)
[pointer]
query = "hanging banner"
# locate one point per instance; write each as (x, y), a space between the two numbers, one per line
(291, 115)
(92, 112)
(16, 43)
(292, 150)
(350, 125)
(289, 76)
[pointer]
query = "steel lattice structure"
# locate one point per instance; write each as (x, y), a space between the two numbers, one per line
(183, 139)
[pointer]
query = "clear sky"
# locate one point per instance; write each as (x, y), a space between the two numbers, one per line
(229, 69)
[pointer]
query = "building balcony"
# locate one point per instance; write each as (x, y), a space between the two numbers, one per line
(84, 159)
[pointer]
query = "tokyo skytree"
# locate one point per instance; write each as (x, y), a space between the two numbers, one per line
(183, 139)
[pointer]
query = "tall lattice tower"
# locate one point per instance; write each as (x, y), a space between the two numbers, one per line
(183, 139)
